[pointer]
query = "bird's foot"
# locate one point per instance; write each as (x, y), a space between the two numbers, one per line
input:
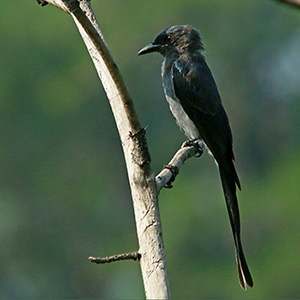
(175, 172)
(197, 143)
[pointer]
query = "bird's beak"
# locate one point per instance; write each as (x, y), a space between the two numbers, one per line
(150, 48)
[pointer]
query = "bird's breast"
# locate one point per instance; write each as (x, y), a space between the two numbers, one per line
(182, 119)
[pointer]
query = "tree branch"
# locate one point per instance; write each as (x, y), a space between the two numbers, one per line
(167, 174)
(58, 3)
(137, 158)
(108, 259)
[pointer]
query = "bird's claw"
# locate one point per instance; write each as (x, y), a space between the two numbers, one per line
(175, 172)
(197, 143)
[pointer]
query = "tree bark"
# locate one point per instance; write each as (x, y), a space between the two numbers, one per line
(141, 178)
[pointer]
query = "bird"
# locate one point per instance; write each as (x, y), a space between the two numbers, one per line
(195, 102)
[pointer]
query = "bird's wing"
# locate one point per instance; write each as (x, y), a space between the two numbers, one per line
(197, 92)
(195, 84)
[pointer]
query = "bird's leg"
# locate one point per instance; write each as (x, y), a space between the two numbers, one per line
(195, 142)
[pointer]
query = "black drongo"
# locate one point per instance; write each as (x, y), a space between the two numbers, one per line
(195, 102)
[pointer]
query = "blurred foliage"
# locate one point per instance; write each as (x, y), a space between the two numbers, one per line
(64, 193)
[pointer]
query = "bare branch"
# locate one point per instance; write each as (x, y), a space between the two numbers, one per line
(58, 3)
(141, 177)
(42, 2)
(108, 259)
(165, 176)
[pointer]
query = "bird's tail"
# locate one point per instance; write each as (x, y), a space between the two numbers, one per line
(229, 180)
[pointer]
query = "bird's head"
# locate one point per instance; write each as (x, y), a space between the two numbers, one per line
(178, 38)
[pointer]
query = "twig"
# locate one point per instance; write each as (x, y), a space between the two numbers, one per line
(167, 175)
(108, 259)
(42, 2)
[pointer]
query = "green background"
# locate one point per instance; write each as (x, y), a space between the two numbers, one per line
(64, 193)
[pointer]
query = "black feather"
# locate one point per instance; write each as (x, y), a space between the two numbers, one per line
(198, 94)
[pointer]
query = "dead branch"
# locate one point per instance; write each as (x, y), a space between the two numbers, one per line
(141, 177)
(118, 257)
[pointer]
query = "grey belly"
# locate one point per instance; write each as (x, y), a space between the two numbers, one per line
(182, 119)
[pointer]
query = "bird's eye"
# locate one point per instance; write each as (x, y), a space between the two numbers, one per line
(170, 38)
